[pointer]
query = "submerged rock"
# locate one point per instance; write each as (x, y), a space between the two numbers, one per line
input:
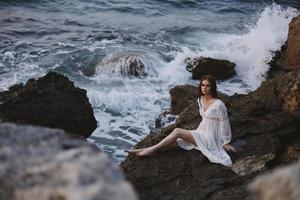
(46, 164)
(50, 101)
(220, 69)
(131, 64)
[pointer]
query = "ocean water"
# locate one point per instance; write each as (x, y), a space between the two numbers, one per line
(90, 42)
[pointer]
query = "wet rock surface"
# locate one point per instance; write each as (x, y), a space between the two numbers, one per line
(46, 164)
(293, 47)
(220, 69)
(264, 133)
(181, 97)
(50, 101)
(259, 133)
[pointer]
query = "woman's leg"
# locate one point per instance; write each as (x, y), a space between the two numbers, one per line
(135, 151)
(167, 141)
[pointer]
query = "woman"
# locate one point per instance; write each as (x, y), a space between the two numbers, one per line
(211, 137)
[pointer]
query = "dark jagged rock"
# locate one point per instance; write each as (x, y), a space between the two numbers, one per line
(288, 58)
(51, 101)
(278, 61)
(265, 127)
(261, 132)
(282, 92)
(220, 69)
(176, 174)
(46, 164)
(181, 96)
(293, 46)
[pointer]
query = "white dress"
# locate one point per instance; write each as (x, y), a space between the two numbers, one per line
(212, 133)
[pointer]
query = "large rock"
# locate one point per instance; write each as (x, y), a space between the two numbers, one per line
(128, 64)
(293, 47)
(51, 101)
(220, 69)
(278, 62)
(282, 92)
(265, 127)
(181, 96)
(288, 57)
(280, 184)
(46, 164)
(259, 132)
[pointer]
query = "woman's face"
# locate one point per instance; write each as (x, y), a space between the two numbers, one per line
(205, 87)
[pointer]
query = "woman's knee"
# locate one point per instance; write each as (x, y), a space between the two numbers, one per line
(177, 132)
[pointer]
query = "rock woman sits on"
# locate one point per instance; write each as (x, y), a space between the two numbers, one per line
(213, 134)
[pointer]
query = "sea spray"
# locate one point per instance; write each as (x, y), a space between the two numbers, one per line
(251, 51)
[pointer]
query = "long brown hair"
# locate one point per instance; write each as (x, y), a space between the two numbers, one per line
(213, 87)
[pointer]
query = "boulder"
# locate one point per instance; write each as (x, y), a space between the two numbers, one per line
(51, 101)
(288, 57)
(259, 133)
(279, 184)
(46, 164)
(282, 92)
(265, 127)
(129, 64)
(181, 96)
(220, 69)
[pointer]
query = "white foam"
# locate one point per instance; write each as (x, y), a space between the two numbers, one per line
(120, 102)
(251, 51)
(10, 54)
(175, 72)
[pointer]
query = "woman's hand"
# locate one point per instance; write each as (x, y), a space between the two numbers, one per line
(229, 147)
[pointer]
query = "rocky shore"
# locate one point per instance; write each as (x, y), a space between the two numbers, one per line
(57, 163)
(47, 164)
(51, 101)
(265, 126)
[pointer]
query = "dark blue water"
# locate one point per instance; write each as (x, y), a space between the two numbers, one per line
(89, 40)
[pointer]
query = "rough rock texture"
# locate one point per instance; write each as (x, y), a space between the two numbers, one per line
(288, 57)
(46, 164)
(262, 133)
(278, 61)
(285, 86)
(176, 174)
(220, 69)
(265, 126)
(51, 101)
(280, 184)
(181, 96)
(293, 48)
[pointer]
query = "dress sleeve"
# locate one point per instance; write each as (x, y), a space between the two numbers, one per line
(224, 125)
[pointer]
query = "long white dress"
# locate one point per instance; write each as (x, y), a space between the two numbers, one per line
(212, 133)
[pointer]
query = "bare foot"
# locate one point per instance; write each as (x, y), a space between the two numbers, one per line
(134, 151)
(229, 147)
(146, 152)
